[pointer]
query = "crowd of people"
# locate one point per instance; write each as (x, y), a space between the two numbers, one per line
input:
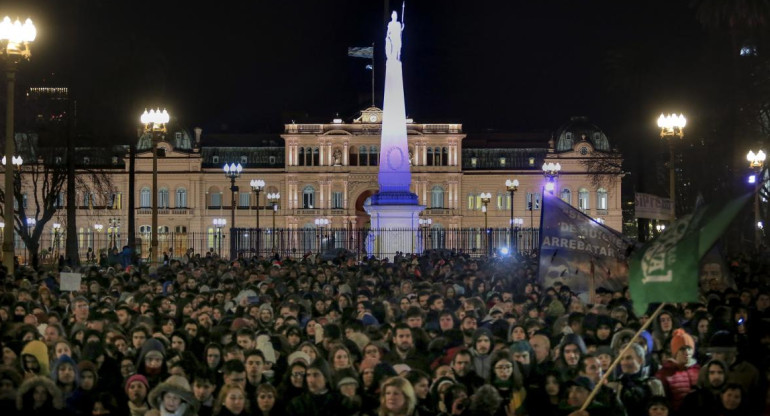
(438, 334)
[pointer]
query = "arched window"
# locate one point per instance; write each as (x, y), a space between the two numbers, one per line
(566, 195)
(163, 198)
(437, 197)
(316, 157)
(430, 156)
(308, 197)
(181, 198)
(363, 156)
(444, 156)
(583, 203)
(244, 199)
(352, 156)
(145, 198)
(601, 199)
(301, 156)
(216, 199)
(374, 156)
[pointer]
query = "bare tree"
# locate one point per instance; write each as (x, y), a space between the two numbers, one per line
(603, 168)
(38, 187)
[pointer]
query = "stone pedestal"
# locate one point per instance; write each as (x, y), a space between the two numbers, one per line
(394, 228)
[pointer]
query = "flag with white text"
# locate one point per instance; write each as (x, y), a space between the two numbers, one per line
(575, 248)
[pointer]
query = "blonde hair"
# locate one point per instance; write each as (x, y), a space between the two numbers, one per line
(406, 389)
(226, 389)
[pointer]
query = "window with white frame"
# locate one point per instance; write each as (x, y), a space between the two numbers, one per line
(601, 199)
(583, 202)
(308, 197)
(163, 198)
(533, 201)
(337, 200)
(566, 195)
(145, 198)
(437, 197)
(244, 199)
(181, 198)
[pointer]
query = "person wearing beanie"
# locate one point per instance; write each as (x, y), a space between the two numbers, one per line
(679, 374)
(137, 388)
(173, 397)
(320, 398)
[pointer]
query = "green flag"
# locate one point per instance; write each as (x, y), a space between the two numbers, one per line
(666, 268)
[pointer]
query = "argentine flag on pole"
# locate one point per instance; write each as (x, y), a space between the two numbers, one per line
(666, 268)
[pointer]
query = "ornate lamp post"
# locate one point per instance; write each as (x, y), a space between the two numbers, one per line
(14, 40)
(257, 185)
(425, 224)
(757, 163)
(98, 228)
(56, 227)
(273, 197)
(485, 198)
(672, 126)
(321, 223)
(232, 172)
(551, 171)
(512, 186)
(219, 224)
(155, 125)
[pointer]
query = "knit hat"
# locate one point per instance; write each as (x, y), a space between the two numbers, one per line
(681, 339)
(347, 380)
(321, 365)
(297, 356)
(137, 377)
(722, 341)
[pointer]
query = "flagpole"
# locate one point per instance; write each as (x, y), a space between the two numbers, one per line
(617, 360)
(372, 74)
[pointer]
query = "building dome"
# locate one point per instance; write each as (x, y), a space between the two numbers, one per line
(580, 128)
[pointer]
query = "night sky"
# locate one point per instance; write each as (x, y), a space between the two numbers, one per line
(249, 66)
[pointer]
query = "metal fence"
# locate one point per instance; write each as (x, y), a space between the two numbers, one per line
(250, 242)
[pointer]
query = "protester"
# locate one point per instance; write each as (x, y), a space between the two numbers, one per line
(299, 336)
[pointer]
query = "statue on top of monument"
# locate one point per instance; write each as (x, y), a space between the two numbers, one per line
(393, 37)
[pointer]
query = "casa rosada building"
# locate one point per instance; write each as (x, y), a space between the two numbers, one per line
(329, 171)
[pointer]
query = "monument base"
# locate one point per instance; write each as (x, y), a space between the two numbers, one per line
(394, 227)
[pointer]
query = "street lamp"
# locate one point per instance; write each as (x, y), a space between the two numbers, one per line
(273, 197)
(485, 198)
(425, 224)
(14, 40)
(551, 171)
(56, 227)
(232, 172)
(257, 185)
(672, 126)
(98, 228)
(512, 186)
(757, 162)
(155, 125)
(321, 223)
(219, 223)
(516, 223)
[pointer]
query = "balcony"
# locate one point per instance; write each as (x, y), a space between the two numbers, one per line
(439, 211)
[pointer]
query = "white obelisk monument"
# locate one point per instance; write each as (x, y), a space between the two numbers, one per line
(394, 210)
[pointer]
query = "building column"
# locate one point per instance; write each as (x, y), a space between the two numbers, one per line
(345, 150)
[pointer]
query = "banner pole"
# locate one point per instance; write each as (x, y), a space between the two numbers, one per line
(620, 355)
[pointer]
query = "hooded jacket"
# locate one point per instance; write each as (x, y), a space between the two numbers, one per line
(482, 362)
(65, 359)
(705, 397)
(24, 399)
(179, 386)
(39, 350)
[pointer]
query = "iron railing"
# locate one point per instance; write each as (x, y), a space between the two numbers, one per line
(250, 242)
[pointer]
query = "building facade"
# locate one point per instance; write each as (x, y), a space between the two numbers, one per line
(329, 170)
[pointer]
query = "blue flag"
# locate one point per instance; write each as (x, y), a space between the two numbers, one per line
(575, 249)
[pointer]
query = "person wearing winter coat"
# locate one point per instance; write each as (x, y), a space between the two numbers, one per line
(137, 389)
(711, 379)
(173, 397)
(320, 399)
(679, 374)
(38, 395)
(34, 359)
(481, 351)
